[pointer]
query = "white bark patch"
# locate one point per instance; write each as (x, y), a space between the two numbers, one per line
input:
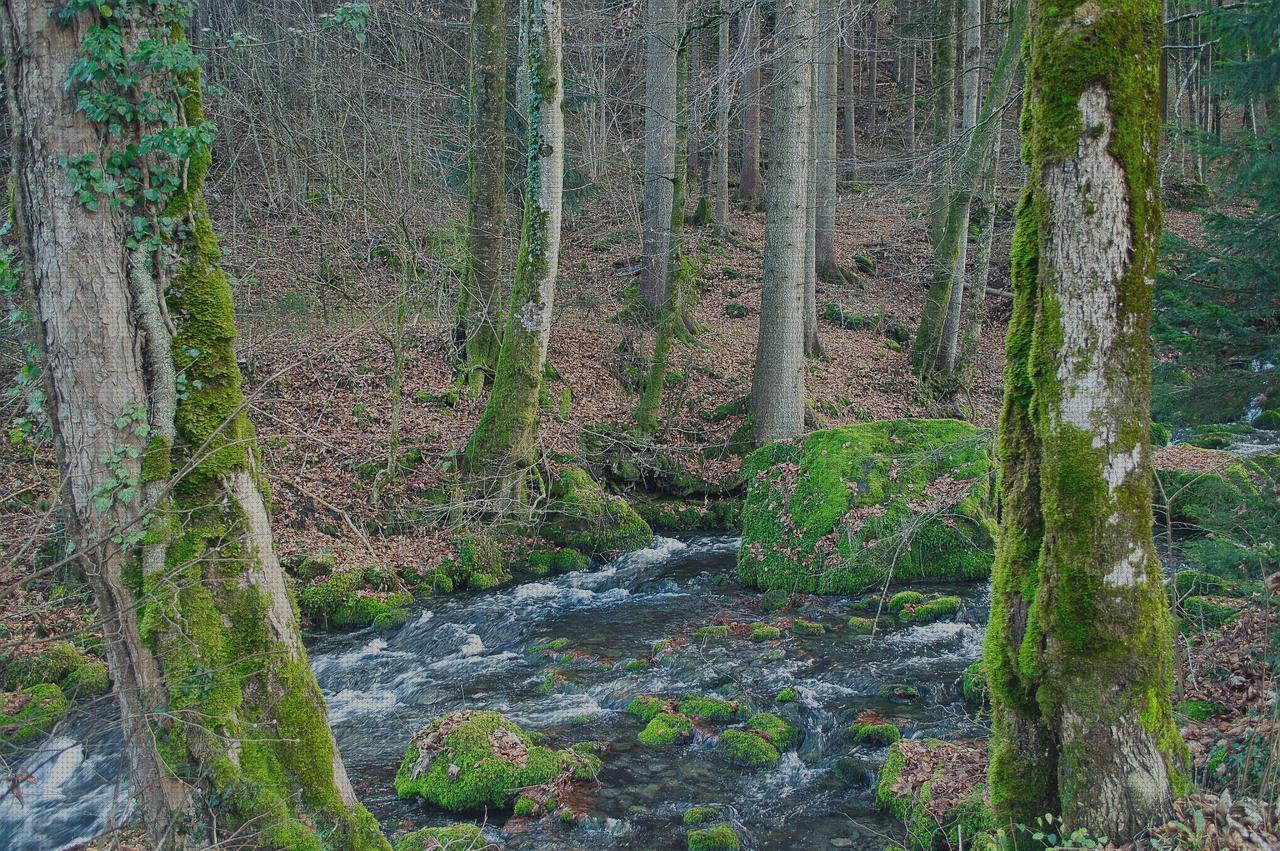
(1119, 465)
(1127, 573)
(1089, 248)
(530, 317)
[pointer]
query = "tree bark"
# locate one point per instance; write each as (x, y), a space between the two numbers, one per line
(503, 449)
(724, 97)
(812, 346)
(849, 93)
(661, 37)
(975, 304)
(160, 487)
(1079, 649)
(777, 387)
(943, 82)
(825, 122)
(481, 297)
(750, 186)
(873, 68)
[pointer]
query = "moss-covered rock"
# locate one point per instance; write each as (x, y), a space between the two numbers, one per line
(703, 633)
(931, 823)
(832, 513)
(718, 837)
(764, 632)
(87, 679)
(455, 837)
(700, 815)
(50, 664)
(748, 750)
(646, 706)
(973, 685)
(683, 516)
(782, 734)
(481, 563)
(344, 600)
(468, 760)
(807, 627)
(870, 729)
(902, 599)
(774, 600)
(665, 728)
(1268, 420)
(787, 695)
(710, 708)
(30, 712)
(860, 626)
(1202, 613)
(939, 608)
(584, 517)
(898, 691)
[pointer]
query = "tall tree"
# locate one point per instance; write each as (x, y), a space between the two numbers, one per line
(873, 68)
(812, 346)
(480, 302)
(661, 44)
(503, 448)
(160, 473)
(942, 118)
(750, 186)
(826, 101)
(1079, 647)
(724, 97)
(777, 385)
(849, 89)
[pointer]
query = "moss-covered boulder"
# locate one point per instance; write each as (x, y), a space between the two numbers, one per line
(665, 728)
(28, 713)
(454, 837)
(710, 708)
(938, 790)
(346, 599)
(929, 611)
(718, 837)
(468, 760)
(746, 749)
(833, 512)
(871, 728)
(582, 516)
(59, 663)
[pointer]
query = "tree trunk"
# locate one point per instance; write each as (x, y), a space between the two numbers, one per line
(503, 449)
(941, 177)
(724, 97)
(873, 68)
(661, 38)
(975, 304)
(972, 64)
(908, 74)
(824, 166)
(928, 341)
(1079, 649)
(777, 387)
(812, 347)
(849, 94)
(481, 298)
(161, 495)
(749, 185)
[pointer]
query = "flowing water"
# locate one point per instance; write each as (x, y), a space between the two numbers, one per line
(474, 651)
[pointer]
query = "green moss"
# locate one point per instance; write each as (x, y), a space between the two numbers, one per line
(569, 561)
(700, 815)
(538, 563)
(42, 706)
(879, 735)
(860, 625)
(1268, 420)
(969, 818)
(787, 695)
(52, 664)
(782, 734)
(710, 708)
(1200, 710)
(1199, 613)
(87, 679)
(898, 691)
(748, 749)
(481, 564)
(974, 684)
(715, 631)
(665, 728)
(342, 601)
(774, 600)
(455, 837)
(582, 516)
(764, 632)
(485, 776)
(902, 599)
(933, 610)
(720, 837)
(806, 627)
(550, 645)
(524, 806)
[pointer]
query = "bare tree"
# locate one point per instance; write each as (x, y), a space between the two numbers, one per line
(661, 44)
(750, 185)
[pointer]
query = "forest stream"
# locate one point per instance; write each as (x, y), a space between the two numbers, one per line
(475, 651)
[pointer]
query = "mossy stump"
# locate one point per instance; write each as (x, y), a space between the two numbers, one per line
(582, 516)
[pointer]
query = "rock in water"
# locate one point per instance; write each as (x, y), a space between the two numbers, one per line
(835, 511)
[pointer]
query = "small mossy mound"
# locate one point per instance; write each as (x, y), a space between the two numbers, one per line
(898, 691)
(481, 564)
(455, 837)
(957, 818)
(700, 815)
(860, 626)
(875, 320)
(714, 631)
(806, 627)
(774, 600)
(347, 599)
(930, 611)
(1192, 583)
(718, 837)
(831, 513)
(707, 514)
(645, 706)
(748, 750)
(30, 712)
(782, 734)
(87, 679)
(764, 632)
(469, 760)
(665, 728)
(582, 516)
(902, 599)
(1200, 710)
(59, 663)
(873, 729)
(973, 685)
(787, 695)
(1268, 420)
(1200, 613)
(710, 708)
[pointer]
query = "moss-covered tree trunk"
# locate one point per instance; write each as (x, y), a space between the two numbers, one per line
(226, 731)
(503, 449)
(1079, 646)
(480, 302)
(750, 186)
(967, 174)
(942, 117)
(777, 385)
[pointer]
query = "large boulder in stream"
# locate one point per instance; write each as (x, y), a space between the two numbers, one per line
(836, 511)
(469, 760)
